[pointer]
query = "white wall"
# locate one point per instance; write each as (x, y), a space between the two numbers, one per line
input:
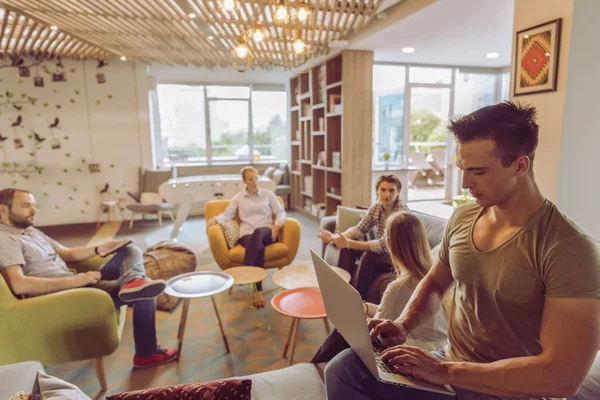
(176, 74)
(101, 123)
(579, 190)
(551, 105)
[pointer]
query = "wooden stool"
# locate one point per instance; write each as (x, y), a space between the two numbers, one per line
(110, 206)
(299, 303)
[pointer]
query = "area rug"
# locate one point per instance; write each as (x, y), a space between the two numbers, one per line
(256, 339)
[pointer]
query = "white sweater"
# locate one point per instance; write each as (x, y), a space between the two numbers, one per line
(430, 335)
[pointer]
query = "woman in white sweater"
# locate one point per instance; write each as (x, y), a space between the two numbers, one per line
(412, 258)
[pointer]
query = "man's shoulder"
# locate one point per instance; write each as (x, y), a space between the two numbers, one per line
(464, 214)
(562, 231)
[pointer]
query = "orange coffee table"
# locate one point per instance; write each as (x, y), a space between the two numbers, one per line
(299, 303)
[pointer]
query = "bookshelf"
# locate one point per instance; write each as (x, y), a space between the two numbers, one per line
(331, 134)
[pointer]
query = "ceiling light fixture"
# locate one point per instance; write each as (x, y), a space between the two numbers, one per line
(408, 50)
(281, 12)
(211, 37)
(241, 50)
(492, 55)
(123, 58)
(302, 13)
(258, 33)
(53, 28)
(228, 5)
(192, 15)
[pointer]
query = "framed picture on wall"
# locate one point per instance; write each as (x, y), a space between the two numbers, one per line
(536, 58)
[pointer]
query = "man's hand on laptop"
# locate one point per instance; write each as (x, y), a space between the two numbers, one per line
(417, 362)
(390, 333)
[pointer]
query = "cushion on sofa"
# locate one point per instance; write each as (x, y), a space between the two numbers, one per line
(269, 172)
(297, 382)
(277, 176)
(213, 390)
(51, 388)
(348, 217)
(231, 230)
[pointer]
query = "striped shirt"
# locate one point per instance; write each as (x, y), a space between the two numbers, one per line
(375, 219)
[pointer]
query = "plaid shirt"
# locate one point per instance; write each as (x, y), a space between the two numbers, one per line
(376, 218)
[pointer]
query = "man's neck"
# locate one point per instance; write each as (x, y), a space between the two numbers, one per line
(520, 206)
(251, 192)
(12, 226)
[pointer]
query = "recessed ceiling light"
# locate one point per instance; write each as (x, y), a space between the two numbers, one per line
(408, 50)
(192, 15)
(492, 55)
(53, 28)
(211, 37)
(123, 58)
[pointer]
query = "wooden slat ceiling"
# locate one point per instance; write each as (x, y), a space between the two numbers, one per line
(163, 31)
(25, 36)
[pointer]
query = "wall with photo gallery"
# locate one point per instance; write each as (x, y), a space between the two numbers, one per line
(70, 133)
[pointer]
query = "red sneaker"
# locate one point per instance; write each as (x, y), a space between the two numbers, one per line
(162, 356)
(141, 289)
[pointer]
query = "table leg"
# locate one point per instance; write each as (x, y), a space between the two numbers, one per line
(287, 343)
(220, 323)
(326, 325)
(182, 321)
(294, 339)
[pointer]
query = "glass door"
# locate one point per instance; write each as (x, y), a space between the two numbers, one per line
(428, 141)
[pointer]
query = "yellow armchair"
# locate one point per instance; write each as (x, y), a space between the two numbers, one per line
(277, 255)
(71, 325)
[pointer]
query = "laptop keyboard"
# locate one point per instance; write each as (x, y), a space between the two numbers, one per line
(378, 349)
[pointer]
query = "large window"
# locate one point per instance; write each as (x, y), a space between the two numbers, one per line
(474, 90)
(220, 124)
(388, 119)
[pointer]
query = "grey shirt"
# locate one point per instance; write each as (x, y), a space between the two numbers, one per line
(33, 251)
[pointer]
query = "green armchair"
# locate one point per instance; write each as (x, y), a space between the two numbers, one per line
(71, 325)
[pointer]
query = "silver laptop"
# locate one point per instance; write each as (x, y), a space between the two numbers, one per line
(344, 308)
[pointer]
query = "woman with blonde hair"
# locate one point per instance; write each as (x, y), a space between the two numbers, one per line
(411, 256)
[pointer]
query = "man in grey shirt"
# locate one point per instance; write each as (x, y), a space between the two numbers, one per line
(33, 264)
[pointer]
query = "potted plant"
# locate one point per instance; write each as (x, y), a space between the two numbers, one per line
(386, 158)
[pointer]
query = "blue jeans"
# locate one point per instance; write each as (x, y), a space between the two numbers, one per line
(346, 377)
(128, 264)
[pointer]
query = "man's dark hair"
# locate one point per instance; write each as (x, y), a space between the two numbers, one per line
(389, 179)
(7, 195)
(510, 125)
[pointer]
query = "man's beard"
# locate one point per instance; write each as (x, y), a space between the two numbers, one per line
(18, 222)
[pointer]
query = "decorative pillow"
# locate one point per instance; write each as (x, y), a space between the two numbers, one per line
(164, 261)
(269, 172)
(348, 217)
(214, 390)
(277, 176)
(48, 387)
(231, 230)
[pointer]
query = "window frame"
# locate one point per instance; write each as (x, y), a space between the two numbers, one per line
(156, 126)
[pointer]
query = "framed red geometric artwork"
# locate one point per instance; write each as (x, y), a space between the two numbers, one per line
(536, 59)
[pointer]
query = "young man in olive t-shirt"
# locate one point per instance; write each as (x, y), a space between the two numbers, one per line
(525, 320)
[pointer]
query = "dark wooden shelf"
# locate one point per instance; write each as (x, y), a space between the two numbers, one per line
(295, 143)
(307, 194)
(307, 118)
(319, 167)
(319, 133)
(317, 106)
(296, 173)
(331, 169)
(333, 85)
(332, 114)
(306, 161)
(333, 196)
(294, 108)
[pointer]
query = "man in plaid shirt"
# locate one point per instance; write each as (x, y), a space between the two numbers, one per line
(375, 256)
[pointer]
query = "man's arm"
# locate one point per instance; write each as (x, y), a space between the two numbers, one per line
(21, 284)
(76, 254)
(568, 352)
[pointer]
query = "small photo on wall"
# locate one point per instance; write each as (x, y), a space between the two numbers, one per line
(18, 143)
(59, 77)
(100, 78)
(55, 144)
(24, 72)
(94, 167)
(38, 81)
